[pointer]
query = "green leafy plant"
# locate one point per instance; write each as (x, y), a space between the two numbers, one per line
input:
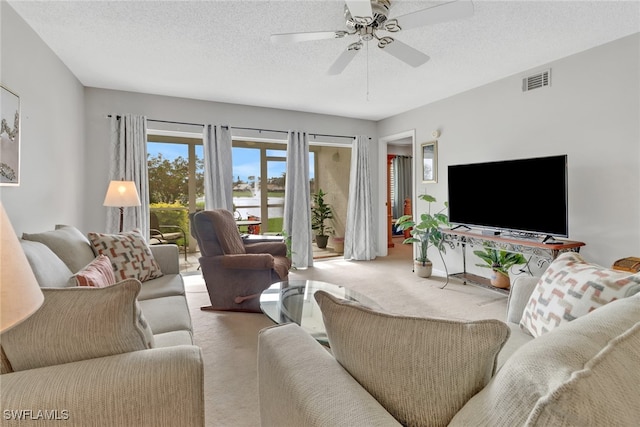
(498, 260)
(426, 232)
(320, 212)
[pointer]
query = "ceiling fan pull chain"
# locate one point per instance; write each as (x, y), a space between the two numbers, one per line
(367, 71)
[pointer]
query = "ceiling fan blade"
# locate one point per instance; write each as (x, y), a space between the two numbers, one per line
(360, 10)
(343, 60)
(303, 37)
(406, 53)
(437, 14)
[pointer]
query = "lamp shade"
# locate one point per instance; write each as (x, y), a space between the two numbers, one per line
(121, 194)
(20, 294)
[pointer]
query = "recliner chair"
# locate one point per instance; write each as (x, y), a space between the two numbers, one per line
(236, 273)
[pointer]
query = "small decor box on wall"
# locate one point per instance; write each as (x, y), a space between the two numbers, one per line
(9, 137)
(430, 162)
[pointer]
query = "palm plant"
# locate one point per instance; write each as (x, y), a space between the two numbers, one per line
(320, 212)
(499, 261)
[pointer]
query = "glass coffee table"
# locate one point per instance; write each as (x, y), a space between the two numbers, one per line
(293, 302)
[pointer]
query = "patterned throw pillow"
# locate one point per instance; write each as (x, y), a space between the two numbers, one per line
(422, 370)
(571, 288)
(129, 254)
(97, 274)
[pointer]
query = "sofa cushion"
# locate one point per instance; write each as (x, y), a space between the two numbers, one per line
(155, 311)
(165, 286)
(79, 323)
(173, 338)
(98, 273)
(572, 287)
(583, 373)
(129, 253)
(48, 268)
(68, 243)
(422, 370)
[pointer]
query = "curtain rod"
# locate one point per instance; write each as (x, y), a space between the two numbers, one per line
(243, 128)
(165, 121)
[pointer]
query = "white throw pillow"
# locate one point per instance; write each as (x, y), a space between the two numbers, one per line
(422, 370)
(79, 323)
(68, 243)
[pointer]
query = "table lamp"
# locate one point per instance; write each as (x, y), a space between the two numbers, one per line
(122, 194)
(20, 294)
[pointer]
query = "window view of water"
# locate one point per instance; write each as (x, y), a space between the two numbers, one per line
(257, 168)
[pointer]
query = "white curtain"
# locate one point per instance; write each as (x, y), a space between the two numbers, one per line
(402, 186)
(218, 171)
(297, 201)
(129, 162)
(360, 230)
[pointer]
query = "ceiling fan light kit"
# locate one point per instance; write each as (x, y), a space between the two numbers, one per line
(364, 18)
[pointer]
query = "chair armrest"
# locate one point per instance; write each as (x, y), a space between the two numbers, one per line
(301, 384)
(521, 290)
(154, 387)
(167, 257)
(248, 261)
(273, 248)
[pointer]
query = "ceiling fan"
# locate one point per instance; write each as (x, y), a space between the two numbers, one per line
(366, 18)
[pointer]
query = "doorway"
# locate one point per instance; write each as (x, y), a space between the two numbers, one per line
(398, 145)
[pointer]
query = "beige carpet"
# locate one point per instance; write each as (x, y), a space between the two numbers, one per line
(229, 340)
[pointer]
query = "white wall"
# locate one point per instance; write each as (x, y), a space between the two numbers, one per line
(102, 102)
(591, 112)
(51, 131)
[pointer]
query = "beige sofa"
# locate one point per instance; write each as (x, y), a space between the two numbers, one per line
(119, 355)
(582, 373)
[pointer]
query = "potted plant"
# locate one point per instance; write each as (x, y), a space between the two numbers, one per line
(499, 262)
(424, 234)
(320, 212)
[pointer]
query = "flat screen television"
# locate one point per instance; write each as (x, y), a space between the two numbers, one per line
(523, 195)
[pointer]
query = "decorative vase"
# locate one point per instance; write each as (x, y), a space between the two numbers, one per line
(500, 280)
(321, 241)
(423, 269)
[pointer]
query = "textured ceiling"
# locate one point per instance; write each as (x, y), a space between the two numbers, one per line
(220, 50)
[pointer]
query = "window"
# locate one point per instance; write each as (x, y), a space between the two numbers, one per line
(176, 179)
(259, 170)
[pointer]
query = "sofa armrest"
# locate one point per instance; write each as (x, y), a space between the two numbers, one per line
(161, 386)
(521, 290)
(301, 384)
(167, 257)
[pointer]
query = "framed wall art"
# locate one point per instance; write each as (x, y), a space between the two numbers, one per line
(9, 137)
(430, 162)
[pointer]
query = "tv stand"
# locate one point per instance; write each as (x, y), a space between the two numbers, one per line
(461, 226)
(546, 250)
(550, 240)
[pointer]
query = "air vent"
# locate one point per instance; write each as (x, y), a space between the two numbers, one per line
(536, 81)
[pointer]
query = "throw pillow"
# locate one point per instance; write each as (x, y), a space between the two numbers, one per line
(422, 370)
(79, 323)
(129, 253)
(583, 373)
(48, 268)
(571, 288)
(98, 274)
(71, 246)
